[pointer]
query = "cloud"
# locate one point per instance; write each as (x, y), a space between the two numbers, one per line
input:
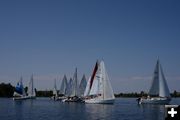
(141, 78)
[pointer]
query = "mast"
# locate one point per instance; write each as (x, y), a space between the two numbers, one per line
(22, 87)
(75, 84)
(55, 88)
(32, 86)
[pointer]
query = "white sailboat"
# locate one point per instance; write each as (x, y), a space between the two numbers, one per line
(99, 88)
(87, 89)
(159, 91)
(55, 92)
(19, 93)
(31, 90)
(63, 87)
(73, 90)
(82, 86)
(69, 88)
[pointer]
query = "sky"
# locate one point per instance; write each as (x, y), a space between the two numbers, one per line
(51, 38)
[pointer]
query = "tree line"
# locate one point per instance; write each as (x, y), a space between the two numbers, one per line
(7, 90)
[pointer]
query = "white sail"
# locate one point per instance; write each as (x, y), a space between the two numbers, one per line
(69, 88)
(63, 85)
(95, 89)
(159, 86)
(87, 90)
(75, 90)
(55, 89)
(164, 90)
(154, 89)
(82, 86)
(108, 91)
(31, 90)
(101, 85)
(91, 82)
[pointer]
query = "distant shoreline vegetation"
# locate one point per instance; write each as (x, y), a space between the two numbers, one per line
(7, 90)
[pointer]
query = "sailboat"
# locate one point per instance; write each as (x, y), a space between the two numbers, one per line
(159, 91)
(19, 93)
(82, 86)
(63, 87)
(31, 90)
(98, 89)
(68, 91)
(55, 92)
(74, 90)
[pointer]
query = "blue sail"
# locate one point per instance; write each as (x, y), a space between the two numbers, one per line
(19, 88)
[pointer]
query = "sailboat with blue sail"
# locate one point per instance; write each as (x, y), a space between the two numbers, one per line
(19, 93)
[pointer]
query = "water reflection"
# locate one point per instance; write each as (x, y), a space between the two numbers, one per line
(152, 112)
(18, 109)
(99, 111)
(45, 109)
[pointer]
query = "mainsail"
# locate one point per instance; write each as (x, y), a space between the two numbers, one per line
(55, 92)
(31, 90)
(90, 81)
(63, 86)
(159, 86)
(82, 86)
(87, 89)
(69, 88)
(75, 88)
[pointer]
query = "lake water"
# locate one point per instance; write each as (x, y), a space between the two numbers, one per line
(46, 109)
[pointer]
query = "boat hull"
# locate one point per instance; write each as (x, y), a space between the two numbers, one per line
(100, 101)
(31, 97)
(154, 101)
(20, 98)
(79, 100)
(24, 98)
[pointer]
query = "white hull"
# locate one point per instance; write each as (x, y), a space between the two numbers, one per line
(31, 97)
(20, 98)
(154, 100)
(100, 101)
(24, 98)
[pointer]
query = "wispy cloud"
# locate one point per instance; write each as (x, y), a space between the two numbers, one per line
(141, 78)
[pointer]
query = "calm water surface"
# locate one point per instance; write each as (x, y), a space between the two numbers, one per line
(46, 109)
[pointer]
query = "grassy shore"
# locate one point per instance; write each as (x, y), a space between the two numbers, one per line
(7, 90)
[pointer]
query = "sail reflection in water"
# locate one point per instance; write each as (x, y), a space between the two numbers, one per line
(101, 111)
(153, 112)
